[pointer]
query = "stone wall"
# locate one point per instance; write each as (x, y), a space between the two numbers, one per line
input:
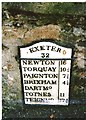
(18, 35)
(12, 38)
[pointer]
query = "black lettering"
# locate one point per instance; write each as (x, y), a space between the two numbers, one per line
(63, 62)
(30, 94)
(48, 47)
(25, 69)
(31, 50)
(38, 94)
(25, 81)
(40, 75)
(54, 82)
(26, 87)
(36, 62)
(27, 62)
(45, 87)
(27, 99)
(44, 93)
(34, 49)
(52, 62)
(30, 62)
(39, 48)
(58, 50)
(53, 48)
(24, 62)
(49, 94)
(26, 75)
(42, 47)
(29, 69)
(62, 94)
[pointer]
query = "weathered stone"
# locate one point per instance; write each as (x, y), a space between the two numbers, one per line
(77, 31)
(10, 80)
(8, 67)
(13, 33)
(80, 54)
(80, 60)
(44, 32)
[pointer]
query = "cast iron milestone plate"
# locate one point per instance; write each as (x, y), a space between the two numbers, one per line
(45, 73)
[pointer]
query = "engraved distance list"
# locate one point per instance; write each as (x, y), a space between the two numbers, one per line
(46, 73)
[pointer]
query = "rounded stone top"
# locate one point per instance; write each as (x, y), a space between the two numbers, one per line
(44, 32)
